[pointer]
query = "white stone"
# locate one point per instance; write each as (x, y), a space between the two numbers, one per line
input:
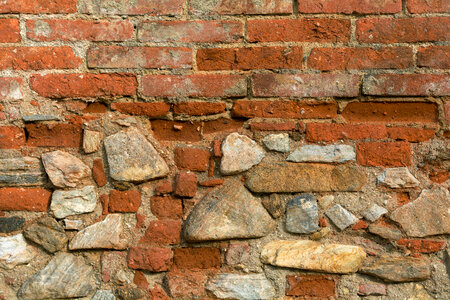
(277, 142)
(316, 153)
(74, 202)
(397, 178)
(341, 217)
(235, 286)
(64, 169)
(92, 141)
(374, 213)
(14, 251)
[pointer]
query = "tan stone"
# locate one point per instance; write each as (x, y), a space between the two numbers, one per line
(64, 169)
(92, 141)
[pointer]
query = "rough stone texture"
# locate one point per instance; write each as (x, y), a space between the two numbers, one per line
(386, 232)
(341, 217)
(397, 269)
(397, 178)
(92, 141)
(302, 214)
(328, 154)
(103, 295)
(372, 289)
(227, 212)
(74, 202)
(240, 153)
(106, 234)
(64, 169)
(277, 142)
(314, 256)
(374, 212)
(73, 224)
(65, 276)
(234, 286)
(275, 204)
(47, 233)
(427, 215)
(24, 171)
(132, 158)
(10, 224)
(15, 251)
(283, 177)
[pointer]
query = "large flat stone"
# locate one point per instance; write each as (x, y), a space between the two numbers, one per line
(65, 276)
(314, 256)
(398, 269)
(131, 157)
(14, 251)
(47, 233)
(23, 171)
(284, 177)
(227, 212)
(329, 154)
(74, 202)
(64, 169)
(234, 286)
(302, 214)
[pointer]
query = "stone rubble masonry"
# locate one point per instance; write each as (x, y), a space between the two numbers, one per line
(217, 149)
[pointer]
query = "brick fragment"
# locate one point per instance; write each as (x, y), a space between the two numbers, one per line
(187, 284)
(164, 187)
(11, 137)
(222, 125)
(34, 199)
(385, 154)
(198, 108)
(414, 135)
(9, 30)
(153, 259)
(141, 7)
(212, 182)
(38, 6)
(189, 158)
(140, 280)
(186, 185)
(153, 110)
(98, 172)
(162, 232)
(54, 135)
(176, 131)
(104, 200)
(326, 132)
(196, 258)
(166, 207)
(95, 108)
(436, 57)
(350, 6)
(422, 245)
(124, 201)
(38, 58)
(242, 7)
(311, 286)
(11, 88)
(427, 6)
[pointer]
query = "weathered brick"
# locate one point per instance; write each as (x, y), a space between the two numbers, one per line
(79, 30)
(95, 108)
(9, 30)
(284, 109)
(198, 108)
(436, 57)
(212, 182)
(242, 7)
(162, 232)
(407, 85)
(153, 259)
(38, 6)
(221, 125)
(139, 57)
(265, 126)
(298, 30)
(54, 135)
(196, 258)
(198, 85)
(35, 199)
(190, 31)
(189, 158)
(186, 185)
(189, 284)
(350, 6)
(327, 59)
(250, 58)
(325, 132)
(38, 58)
(305, 85)
(84, 85)
(164, 187)
(141, 7)
(159, 109)
(373, 154)
(176, 131)
(410, 134)
(428, 6)
(404, 30)
(124, 201)
(166, 207)
(422, 246)
(317, 286)
(10, 88)
(98, 172)
(361, 112)
(11, 137)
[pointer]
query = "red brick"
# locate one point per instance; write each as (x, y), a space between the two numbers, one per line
(436, 57)
(9, 30)
(124, 201)
(35, 199)
(242, 7)
(305, 85)
(141, 7)
(422, 245)
(186, 185)
(189, 158)
(284, 109)
(372, 289)
(10, 88)
(187, 285)
(392, 112)
(11, 137)
(327, 59)
(317, 286)
(190, 31)
(177, 131)
(249, 58)
(162, 232)
(265, 126)
(407, 85)
(166, 207)
(80, 120)
(79, 30)
(157, 293)
(350, 6)
(326, 132)
(428, 6)
(438, 175)
(404, 30)
(38, 6)
(164, 187)
(360, 225)
(104, 200)
(151, 259)
(212, 182)
(142, 109)
(217, 148)
(139, 57)
(38, 58)
(198, 85)
(299, 30)
(386, 154)
(98, 172)
(95, 108)
(222, 125)
(403, 198)
(198, 108)
(84, 85)
(140, 280)
(196, 258)
(410, 134)
(54, 135)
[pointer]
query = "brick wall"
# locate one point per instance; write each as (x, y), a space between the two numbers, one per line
(253, 149)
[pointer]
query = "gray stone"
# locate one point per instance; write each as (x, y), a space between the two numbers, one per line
(92, 141)
(14, 251)
(284, 177)
(131, 157)
(277, 142)
(329, 153)
(10, 224)
(302, 214)
(374, 212)
(234, 286)
(65, 276)
(389, 233)
(428, 215)
(74, 202)
(397, 178)
(227, 212)
(326, 201)
(240, 153)
(64, 169)
(341, 217)
(275, 204)
(23, 171)
(39, 118)
(106, 234)
(103, 295)
(47, 233)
